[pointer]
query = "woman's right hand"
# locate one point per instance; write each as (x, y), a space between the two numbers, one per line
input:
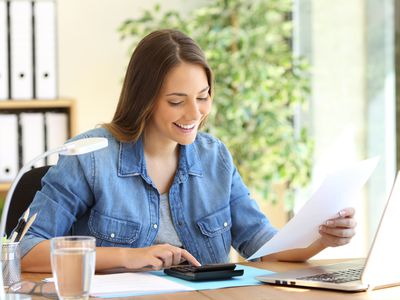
(157, 257)
(149, 258)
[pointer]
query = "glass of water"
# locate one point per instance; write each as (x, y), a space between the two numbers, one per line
(73, 265)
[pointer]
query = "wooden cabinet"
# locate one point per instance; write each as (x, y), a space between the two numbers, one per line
(18, 106)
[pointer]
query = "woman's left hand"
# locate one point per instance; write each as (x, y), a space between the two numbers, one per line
(340, 230)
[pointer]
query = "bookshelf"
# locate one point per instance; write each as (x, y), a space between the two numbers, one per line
(67, 106)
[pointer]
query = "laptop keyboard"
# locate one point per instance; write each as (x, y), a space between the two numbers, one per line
(336, 277)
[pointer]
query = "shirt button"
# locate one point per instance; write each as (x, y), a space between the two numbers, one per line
(155, 226)
(225, 224)
(180, 223)
(112, 234)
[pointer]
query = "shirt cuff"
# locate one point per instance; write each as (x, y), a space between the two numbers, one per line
(258, 240)
(28, 242)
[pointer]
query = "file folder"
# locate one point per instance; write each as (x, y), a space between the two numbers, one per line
(8, 147)
(21, 49)
(32, 137)
(45, 49)
(56, 133)
(3, 51)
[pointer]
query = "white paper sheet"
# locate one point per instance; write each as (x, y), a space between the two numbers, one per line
(339, 190)
(133, 283)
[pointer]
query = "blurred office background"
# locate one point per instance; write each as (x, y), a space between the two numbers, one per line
(350, 46)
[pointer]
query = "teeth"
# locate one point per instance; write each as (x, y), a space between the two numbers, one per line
(185, 126)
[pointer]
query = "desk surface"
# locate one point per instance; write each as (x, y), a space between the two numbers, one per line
(263, 291)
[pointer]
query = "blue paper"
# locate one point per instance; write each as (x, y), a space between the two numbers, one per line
(248, 278)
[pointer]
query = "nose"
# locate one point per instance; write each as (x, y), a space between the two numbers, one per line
(193, 110)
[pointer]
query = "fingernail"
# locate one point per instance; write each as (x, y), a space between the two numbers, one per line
(342, 213)
(321, 227)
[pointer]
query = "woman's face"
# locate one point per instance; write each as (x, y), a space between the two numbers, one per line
(182, 104)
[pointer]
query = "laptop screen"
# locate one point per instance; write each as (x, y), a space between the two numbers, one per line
(383, 262)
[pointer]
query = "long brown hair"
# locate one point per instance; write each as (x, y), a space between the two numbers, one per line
(155, 55)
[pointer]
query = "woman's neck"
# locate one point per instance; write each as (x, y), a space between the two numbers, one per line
(159, 148)
(161, 157)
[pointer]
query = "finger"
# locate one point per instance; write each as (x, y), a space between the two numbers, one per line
(332, 241)
(338, 232)
(347, 212)
(344, 223)
(190, 258)
(177, 255)
(166, 257)
(155, 263)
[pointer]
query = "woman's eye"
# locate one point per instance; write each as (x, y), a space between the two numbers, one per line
(202, 98)
(175, 103)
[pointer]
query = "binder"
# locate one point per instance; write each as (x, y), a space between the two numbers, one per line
(32, 137)
(3, 51)
(56, 133)
(8, 147)
(21, 49)
(45, 49)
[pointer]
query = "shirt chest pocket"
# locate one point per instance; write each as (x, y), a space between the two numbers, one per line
(216, 230)
(110, 231)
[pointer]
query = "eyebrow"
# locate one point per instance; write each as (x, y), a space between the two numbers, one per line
(183, 94)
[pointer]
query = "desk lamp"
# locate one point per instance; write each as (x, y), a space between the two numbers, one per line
(77, 147)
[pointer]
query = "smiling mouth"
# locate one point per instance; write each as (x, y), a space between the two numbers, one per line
(185, 127)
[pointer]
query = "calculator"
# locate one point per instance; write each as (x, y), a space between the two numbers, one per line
(205, 272)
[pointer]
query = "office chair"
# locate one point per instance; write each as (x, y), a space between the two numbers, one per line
(23, 195)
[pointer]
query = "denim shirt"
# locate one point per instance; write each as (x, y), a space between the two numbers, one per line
(108, 194)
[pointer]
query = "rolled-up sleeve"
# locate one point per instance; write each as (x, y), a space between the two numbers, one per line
(251, 228)
(28, 242)
(64, 197)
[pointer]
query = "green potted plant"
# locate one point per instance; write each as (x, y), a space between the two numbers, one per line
(259, 84)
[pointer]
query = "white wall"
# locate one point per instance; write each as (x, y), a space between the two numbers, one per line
(92, 58)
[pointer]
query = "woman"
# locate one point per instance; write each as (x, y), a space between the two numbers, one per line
(162, 192)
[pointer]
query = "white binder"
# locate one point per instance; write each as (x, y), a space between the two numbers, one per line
(21, 49)
(45, 49)
(8, 147)
(56, 133)
(32, 136)
(3, 51)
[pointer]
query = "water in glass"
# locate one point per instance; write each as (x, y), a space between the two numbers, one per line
(73, 269)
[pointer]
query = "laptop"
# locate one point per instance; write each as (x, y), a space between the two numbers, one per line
(380, 269)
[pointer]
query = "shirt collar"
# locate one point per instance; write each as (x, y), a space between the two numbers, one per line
(131, 160)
